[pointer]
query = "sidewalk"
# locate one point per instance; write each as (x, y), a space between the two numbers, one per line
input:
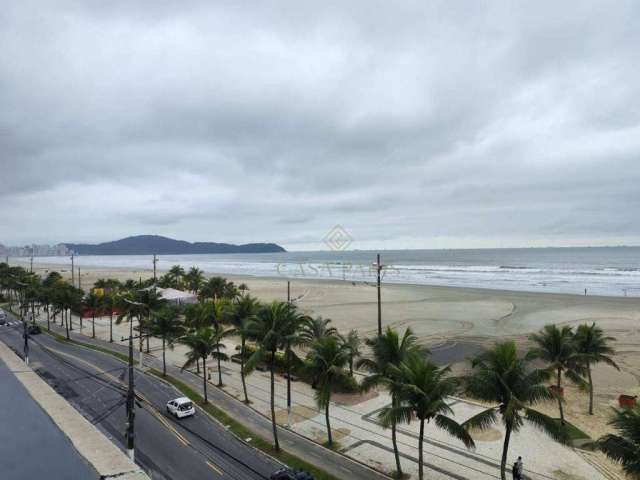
(37, 447)
(357, 430)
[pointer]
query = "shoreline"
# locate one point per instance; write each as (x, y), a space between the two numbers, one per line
(239, 278)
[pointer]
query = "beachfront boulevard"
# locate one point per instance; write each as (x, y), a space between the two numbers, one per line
(192, 449)
(356, 427)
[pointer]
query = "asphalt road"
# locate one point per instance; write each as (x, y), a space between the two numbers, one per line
(168, 449)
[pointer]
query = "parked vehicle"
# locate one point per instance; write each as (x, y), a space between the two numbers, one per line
(34, 329)
(288, 474)
(181, 407)
(3, 317)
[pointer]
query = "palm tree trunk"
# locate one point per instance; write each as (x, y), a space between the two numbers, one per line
(244, 382)
(394, 441)
(590, 388)
(288, 354)
(420, 452)
(149, 323)
(81, 318)
(70, 319)
(111, 327)
(219, 368)
(164, 361)
(326, 415)
(559, 385)
(93, 325)
(66, 324)
(505, 451)
(273, 403)
(48, 319)
(204, 378)
(351, 365)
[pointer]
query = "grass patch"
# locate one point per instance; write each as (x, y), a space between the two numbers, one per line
(242, 432)
(574, 432)
(61, 338)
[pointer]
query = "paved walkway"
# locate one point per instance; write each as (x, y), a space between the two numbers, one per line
(360, 435)
(42, 436)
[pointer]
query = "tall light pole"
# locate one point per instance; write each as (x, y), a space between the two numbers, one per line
(379, 266)
(23, 310)
(73, 272)
(131, 395)
(155, 260)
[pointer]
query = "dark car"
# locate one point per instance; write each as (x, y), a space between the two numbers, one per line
(288, 474)
(34, 329)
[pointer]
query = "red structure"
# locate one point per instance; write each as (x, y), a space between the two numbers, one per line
(627, 401)
(558, 391)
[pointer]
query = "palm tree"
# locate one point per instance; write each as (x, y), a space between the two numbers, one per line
(316, 328)
(194, 279)
(327, 359)
(270, 329)
(175, 276)
(592, 347)
(423, 389)
(389, 350)
(201, 343)
(556, 347)
(94, 302)
(625, 447)
(241, 314)
(166, 324)
(110, 301)
(499, 376)
(219, 334)
(352, 343)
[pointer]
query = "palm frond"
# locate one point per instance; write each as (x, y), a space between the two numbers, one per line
(454, 429)
(550, 426)
(482, 420)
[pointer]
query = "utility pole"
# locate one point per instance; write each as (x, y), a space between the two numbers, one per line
(378, 266)
(288, 291)
(23, 310)
(31, 263)
(131, 395)
(155, 260)
(79, 279)
(73, 272)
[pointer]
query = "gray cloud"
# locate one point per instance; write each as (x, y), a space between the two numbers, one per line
(413, 125)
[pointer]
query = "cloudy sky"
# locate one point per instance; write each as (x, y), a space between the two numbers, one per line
(412, 124)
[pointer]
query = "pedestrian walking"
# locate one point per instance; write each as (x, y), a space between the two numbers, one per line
(520, 469)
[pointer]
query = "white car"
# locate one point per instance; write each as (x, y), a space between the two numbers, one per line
(3, 317)
(181, 407)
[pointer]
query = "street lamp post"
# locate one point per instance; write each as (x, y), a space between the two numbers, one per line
(131, 395)
(379, 267)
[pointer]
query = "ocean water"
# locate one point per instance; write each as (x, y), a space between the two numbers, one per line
(611, 271)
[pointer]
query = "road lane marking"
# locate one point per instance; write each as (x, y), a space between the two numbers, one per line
(214, 468)
(117, 380)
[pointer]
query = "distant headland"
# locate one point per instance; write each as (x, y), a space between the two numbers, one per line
(155, 244)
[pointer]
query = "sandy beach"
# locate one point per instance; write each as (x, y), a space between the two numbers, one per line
(460, 319)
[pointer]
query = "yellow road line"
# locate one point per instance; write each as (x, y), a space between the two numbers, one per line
(214, 468)
(117, 380)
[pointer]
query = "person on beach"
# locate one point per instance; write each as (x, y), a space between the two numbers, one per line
(519, 469)
(514, 471)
